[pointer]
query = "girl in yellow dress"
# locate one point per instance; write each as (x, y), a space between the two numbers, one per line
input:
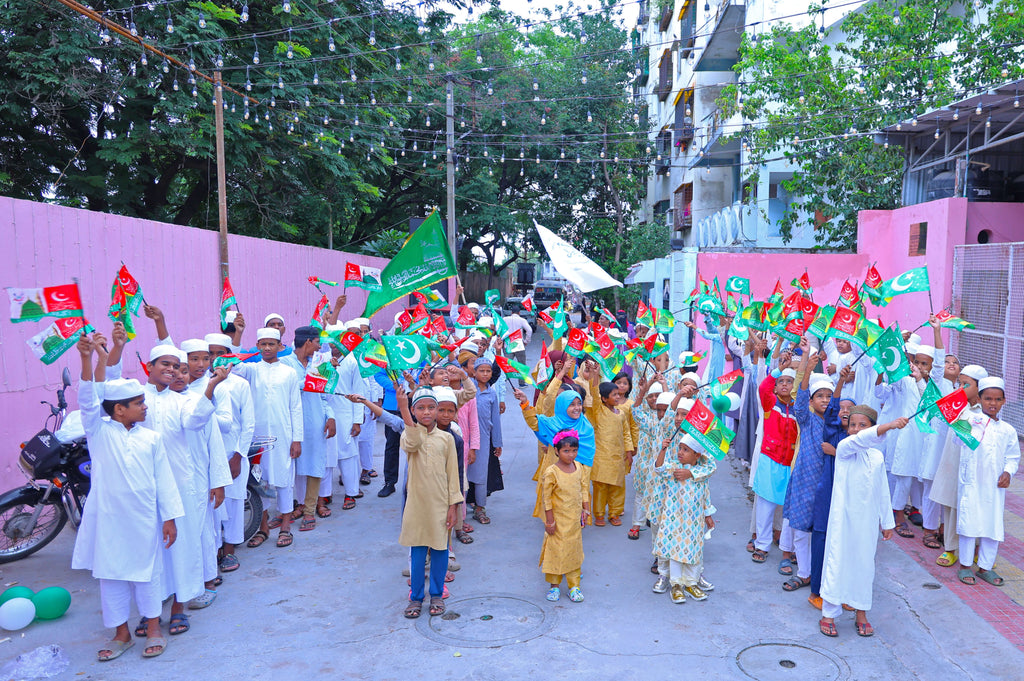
(566, 495)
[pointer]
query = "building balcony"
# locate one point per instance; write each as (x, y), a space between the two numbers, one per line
(722, 50)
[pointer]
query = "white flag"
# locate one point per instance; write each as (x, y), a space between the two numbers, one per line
(586, 274)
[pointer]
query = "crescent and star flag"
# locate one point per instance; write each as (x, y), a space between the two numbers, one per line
(320, 314)
(803, 282)
(514, 369)
(708, 430)
(844, 324)
(316, 281)
(543, 372)
(819, 327)
(911, 281)
(227, 299)
(950, 408)
(362, 276)
(321, 374)
(527, 302)
(576, 343)
(231, 360)
(949, 321)
(930, 396)
(125, 300)
(371, 357)
(848, 296)
(405, 352)
(53, 341)
(738, 285)
(31, 304)
(514, 342)
(583, 272)
(889, 353)
(424, 260)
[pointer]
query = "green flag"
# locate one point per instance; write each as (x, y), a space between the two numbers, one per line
(425, 259)
(738, 285)
(371, 357)
(406, 352)
(492, 296)
(819, 327)
(911, 281)
(889, 353)
(929, 397)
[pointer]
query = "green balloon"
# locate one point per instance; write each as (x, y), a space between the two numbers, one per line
(721, 404)
(51, 603)
(16, 592)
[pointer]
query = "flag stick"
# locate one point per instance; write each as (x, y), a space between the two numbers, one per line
(812, 291)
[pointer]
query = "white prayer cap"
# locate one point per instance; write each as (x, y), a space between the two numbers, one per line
(272, 315)
(444, 394)
(914, 338)
(267, 333)
(194, 345)
(485, 321)
(911, 348)
(423, 394)
(991, 382)
(361, 321)
(641, 324)
(974, 371)
(788, 373)
(819, 382)
(473, 306)
(693, 376)
(691, 442)
(665, 399)
(121, 389)
(926, 350)
(163, 350)
(354, 324)
(476, 335)
(229, 316)
(335, 327)
(218, 339)
(655, 389)
(686, 404)
(615, 333)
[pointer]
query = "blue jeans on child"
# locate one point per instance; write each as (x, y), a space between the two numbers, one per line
(417, 567)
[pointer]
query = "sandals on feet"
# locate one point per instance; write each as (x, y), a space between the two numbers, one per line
(257, 539)
(364, 479)
(115, 648)
(634, 533)
(322, 511)
(284, 538)
(614, 520)
(904, 531)
(759, 556)
(463, 537)
(307, 524)
(991, 577)
(436, 606)
(140, 631)
(931, 541)
(827, 628)
(947, 559)
(599, 521)
(275, 522)
(467, 528)
(413, 610)
(966, 576)
(480, 515)
(865, 629)
(179, 625)
(349, 504)
(750, 546)
(786, 567)
(794, 583)
(156, 642)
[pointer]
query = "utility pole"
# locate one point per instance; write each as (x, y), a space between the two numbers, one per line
(449, 125)
(222, 197)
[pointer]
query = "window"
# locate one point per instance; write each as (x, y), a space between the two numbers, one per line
(664, 75)
(779, 199)
(683, 200)
(918, 238)
(684, 119)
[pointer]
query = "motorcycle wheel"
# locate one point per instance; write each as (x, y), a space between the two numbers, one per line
(253, 510)
(16, 541)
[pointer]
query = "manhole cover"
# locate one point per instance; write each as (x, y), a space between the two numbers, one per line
(487, 622)
(778, 661)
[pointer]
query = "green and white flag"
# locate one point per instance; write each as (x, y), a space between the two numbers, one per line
(424, 260)
(406, 352)
(53, 341)
(492, 297)
(911, 281)
(889, 352)
(738, 285)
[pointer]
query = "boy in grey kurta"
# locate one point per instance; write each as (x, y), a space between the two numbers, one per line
(434, 496)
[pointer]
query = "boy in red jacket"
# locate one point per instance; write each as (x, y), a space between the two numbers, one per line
(777, 450)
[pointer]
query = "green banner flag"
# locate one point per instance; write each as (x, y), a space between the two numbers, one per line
(492, 296)
(406, 352)
(425, 259)
(911, 281)
(738, 285)
(888, 351)
(929, 397)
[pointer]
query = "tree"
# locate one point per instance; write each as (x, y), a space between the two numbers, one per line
(818, 103)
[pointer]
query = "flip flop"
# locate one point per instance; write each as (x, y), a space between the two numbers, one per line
(865, 629)
(275, 522)
(413, 610)
(964, 574)
(827, 628)
(323, 512)
(991, 577)
(349, 504)
(634, 533)
(947, 559)
(116, 649)
(463, 537)
(307, 524)
(156, 642)
(140, 631)
(257, 539)
(750, 546)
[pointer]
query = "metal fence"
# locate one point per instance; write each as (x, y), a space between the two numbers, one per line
(988, 291)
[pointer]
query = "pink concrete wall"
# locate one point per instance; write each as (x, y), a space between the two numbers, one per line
(178, 270)
(1005, 222)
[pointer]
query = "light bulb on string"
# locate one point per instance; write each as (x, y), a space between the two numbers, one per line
(316, 77)
(373, 37)
(896, 17)
(543, 119)
(583, 78)
(351, 137)
(202, 20)
(174, 85)
(988, 122)
(913, 122)
(326, 119)
(538, 157)
(490, 88)
(244, 16)
(428, 120)
(391, 122)
(561, 153)
(398, 63)
(373, 99)
(280, 82)
(133, 29)
(503, 155)
(414, 145)
(408, 96)
(590, 117)
(433, 154)
(462, 123)
(583, 37)
(930, 83)
(170, 24)
(352, 75)
(577, 159)
(479, 57)
(977, 109)
(801, 98)
(306, 101)
(1016, 101)
(937, 133)
(522, 152)
(273, 101)
(166, 67)
(556, 172)
(1005, 70)
(535, 84)
(341, 100)
(521, 170)
(956, 114)
(356, 120)
(144, 59)
(593, 176)
(195, 92)
(291, 50)
(330, 44)
(219, 61)
(191, 64)
(430, 66)
(421, 28)
(286, 7)
(266, 115)
(256, 57)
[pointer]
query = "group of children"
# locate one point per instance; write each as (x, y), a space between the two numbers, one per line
(832, 461)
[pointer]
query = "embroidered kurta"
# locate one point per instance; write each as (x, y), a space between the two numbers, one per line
(433, 473)
(564, 495)
(681, 523)
(860, 505)
(646, 449)
(799, 506)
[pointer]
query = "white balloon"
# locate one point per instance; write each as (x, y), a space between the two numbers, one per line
(17, 613)
(734, 401)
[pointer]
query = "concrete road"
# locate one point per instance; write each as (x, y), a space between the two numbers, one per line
(330, 606)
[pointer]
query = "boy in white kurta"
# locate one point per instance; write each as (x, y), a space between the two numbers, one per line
(860, 505)
(278, 412)
(434, 495)
(985, 474)
(133, 504)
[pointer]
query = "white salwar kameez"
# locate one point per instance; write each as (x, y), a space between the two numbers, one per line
(343, 449)
(237, 435)
(133, 493)
(979, 501)
(860, 505)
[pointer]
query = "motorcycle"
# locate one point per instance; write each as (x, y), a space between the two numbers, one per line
(59, 477)
(255, 491)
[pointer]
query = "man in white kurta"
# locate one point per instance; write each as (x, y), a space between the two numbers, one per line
(237, 436)
(860, 505)
(348, 416)
(278, 413)
(985, 474)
